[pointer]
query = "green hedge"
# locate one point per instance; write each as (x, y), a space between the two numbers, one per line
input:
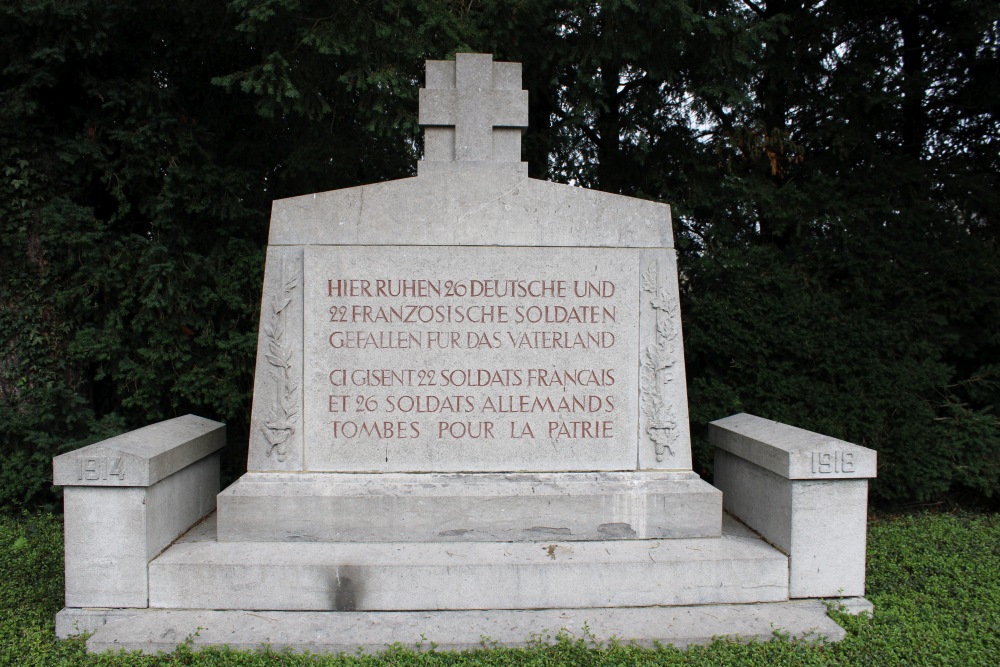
(838, 234)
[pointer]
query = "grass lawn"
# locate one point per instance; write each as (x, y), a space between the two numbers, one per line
(934, 579)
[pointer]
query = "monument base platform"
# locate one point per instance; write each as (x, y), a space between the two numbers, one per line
(330, 596)
(200, 572)
(156, 630)
(467, 507)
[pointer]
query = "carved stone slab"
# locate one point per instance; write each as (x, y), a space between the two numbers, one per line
(142, 457)
(351, 379)
(276, 421)
(470, 359)
(790, 452)
(663, 420)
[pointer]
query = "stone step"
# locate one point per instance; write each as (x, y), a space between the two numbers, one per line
(200, 572)
(153, 630)
(483, 507)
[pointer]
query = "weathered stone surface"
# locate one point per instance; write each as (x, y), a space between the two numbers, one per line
(155, 630)
(477, 207)
(276, 507)
(72, 621)
(126, 498)
(471, 372)
(113, 532)
(141, 457)
(201, 573)
(818, 517)
(473, 110)
(105, 541)
(276, 433)
(855, 606)
(664, 433)
(445, 359)
(791, 452)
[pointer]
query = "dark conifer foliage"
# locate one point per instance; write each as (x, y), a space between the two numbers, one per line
(833, 168)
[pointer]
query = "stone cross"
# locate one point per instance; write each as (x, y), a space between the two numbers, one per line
(473, 110)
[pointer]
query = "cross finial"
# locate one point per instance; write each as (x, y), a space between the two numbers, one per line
(473, 110)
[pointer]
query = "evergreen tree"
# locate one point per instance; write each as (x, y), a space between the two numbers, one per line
(833, 169)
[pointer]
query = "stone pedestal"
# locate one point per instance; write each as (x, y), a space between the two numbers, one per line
(806, 493)
(467, 507)
(200, 572)
(127, 498)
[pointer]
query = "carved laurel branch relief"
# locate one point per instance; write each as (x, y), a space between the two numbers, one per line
(657, 359)
(281, 422)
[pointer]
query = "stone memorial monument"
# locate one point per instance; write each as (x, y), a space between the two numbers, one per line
(469, 420)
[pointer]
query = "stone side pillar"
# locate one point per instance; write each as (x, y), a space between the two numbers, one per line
(127, 498)
(805, 493)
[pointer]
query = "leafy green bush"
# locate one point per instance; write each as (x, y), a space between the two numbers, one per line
(847, 345)
(130, 283)
(836, 200)
(137, 177)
